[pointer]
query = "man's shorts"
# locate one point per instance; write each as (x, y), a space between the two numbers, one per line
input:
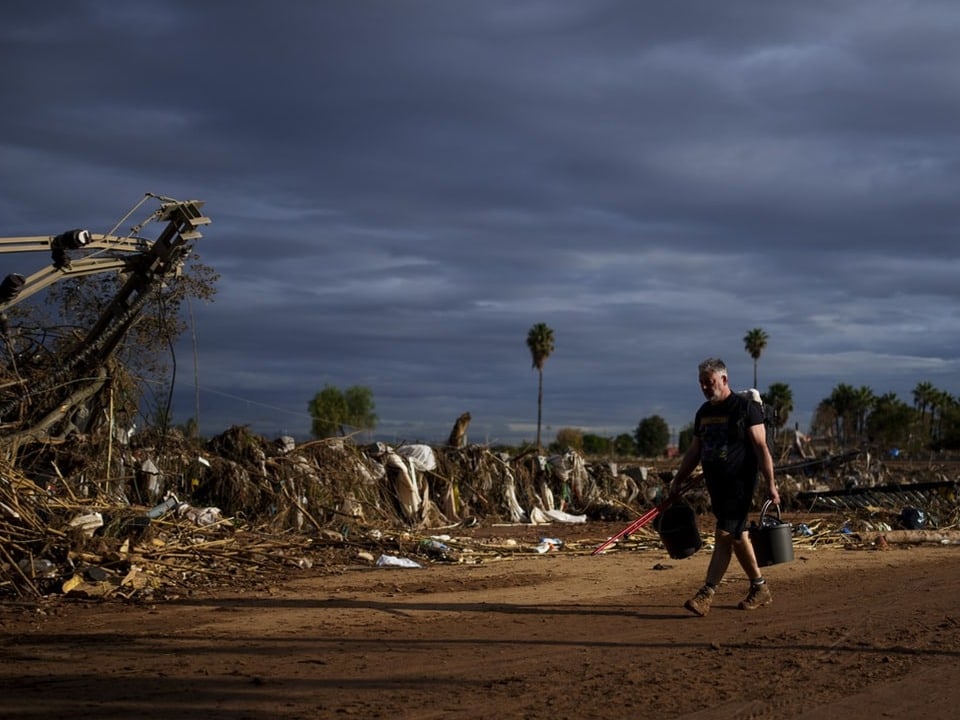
(731, 501)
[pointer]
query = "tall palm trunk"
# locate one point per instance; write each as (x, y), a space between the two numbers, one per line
(539, 407)
(540, 343)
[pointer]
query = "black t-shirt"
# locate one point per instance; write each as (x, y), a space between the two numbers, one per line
(726, 451)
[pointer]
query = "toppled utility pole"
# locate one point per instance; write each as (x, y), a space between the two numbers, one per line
(50, 394)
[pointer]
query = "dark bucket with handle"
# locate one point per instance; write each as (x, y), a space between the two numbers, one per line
(772, 538)
(678, 530)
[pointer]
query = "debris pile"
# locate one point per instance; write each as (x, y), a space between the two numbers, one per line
(173, 516)
(242, 507)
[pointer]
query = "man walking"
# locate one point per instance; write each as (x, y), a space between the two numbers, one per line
(730, 445)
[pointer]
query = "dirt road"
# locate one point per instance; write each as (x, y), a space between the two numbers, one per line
(851, 634)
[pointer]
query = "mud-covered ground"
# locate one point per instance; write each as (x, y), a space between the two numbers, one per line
(853, 632)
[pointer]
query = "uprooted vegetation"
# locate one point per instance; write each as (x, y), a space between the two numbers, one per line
(170, 510)
(173, 515)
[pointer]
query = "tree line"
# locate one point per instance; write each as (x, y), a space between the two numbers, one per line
(849, 417)
(855, 417)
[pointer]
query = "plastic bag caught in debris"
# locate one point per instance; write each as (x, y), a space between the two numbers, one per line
(393, 561)
(200, 516)
(561, 516)
(421, 457)
(38, 567)
(88, 523)
(538, 516)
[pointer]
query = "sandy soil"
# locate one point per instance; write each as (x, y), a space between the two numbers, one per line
(852, 633)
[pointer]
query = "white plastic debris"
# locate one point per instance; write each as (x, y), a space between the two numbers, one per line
(88, 522)
(561, 516)
(548, 544)
(200, 516)
(421, 456)
(539, 517)
(393, 561)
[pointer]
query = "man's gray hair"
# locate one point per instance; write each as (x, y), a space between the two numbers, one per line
(711, 366)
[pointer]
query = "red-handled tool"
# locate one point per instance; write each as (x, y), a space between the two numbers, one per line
(649, 515)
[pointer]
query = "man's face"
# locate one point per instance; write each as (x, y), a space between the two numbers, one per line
(712, 385)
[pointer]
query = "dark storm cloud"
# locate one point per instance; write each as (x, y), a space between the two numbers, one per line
(401, 190)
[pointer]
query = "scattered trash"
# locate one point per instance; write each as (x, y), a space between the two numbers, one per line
(439, 550)
(170, 503)
(37, 568)
(393, 561)
(539, 517)
(561, 516)
(201, 517)
(912, 518)
(88, 523)
(548, 544)
(433, 546)
(97, 574)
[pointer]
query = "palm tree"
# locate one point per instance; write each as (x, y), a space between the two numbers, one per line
(843, 402)
(540, 342)
(779, 396)
(923, 396)
(754, 342)
(823, 422)
(940, 403)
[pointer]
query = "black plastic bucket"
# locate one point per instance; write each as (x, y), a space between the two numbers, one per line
(772, 539)
(678, 530)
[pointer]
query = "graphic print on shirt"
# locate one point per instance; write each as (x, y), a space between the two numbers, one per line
(714, 439)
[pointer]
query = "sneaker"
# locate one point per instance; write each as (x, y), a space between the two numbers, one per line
(700, 603)
(758, 596)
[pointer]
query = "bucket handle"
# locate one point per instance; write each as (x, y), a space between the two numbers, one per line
(763, 512)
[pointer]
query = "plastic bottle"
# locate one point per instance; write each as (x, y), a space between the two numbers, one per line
(437, 549)
(169, 504)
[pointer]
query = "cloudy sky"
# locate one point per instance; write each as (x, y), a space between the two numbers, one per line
(400, 190)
